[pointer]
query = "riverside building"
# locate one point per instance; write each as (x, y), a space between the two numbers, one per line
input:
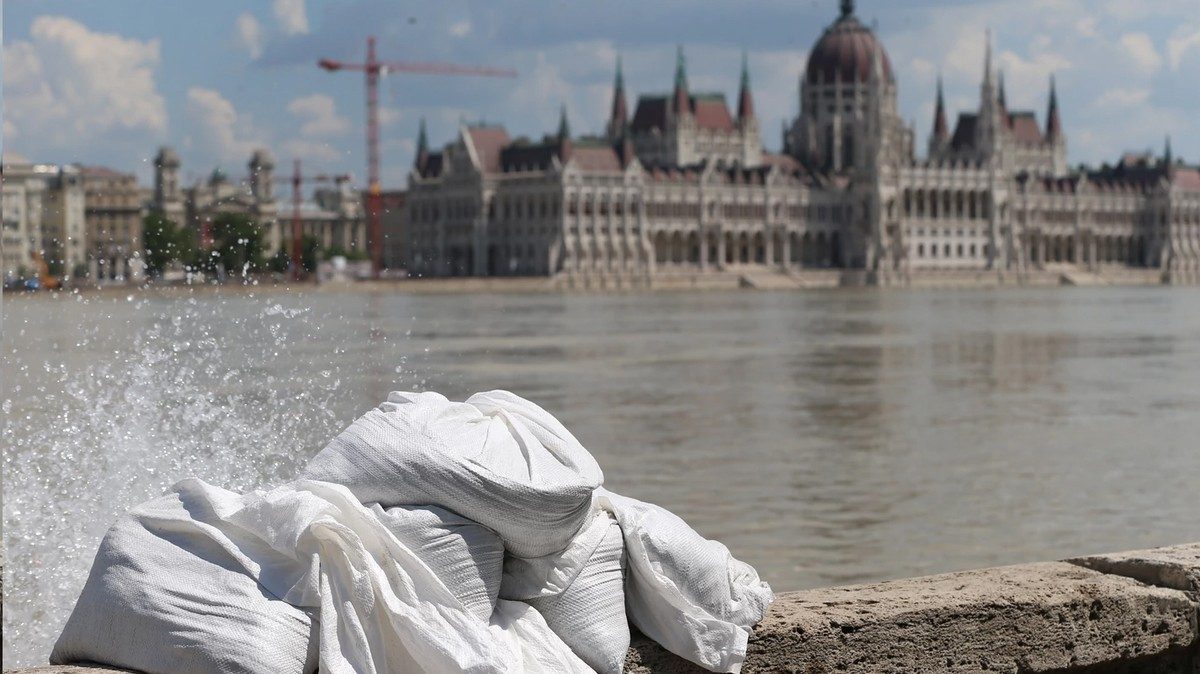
(114, 205)
(333, 216)
(43, 221)
(683, 189)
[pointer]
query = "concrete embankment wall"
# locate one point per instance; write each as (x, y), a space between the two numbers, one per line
(1125, 613)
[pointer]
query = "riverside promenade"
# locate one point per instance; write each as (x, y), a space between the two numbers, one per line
(1122, 613)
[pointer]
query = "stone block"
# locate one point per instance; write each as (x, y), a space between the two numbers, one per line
(1176, 567)
(1044, 617)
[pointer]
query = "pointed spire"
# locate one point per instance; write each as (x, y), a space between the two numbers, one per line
(1168, 159)
(987, 60)
(681, 97)
(1000, 96)
(422, 146)
(941, 129)
(1053, 123)
(564, 127)
(745, 100)
(618, 120)
(847, 8)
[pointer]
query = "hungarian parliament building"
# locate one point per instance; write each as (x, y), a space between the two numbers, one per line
(683, 189)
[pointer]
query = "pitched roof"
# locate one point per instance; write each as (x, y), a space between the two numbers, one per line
(651, 113)
(964, 131)
(488, 141)
(1025, 127)
(711, 112)
(1186, 177)
(595, 158)
(432, 166)
(522, 157)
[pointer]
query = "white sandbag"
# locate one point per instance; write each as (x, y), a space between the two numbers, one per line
(382, 609)
(496, 459)
(536, 648)
(379, 607)
(467, 557)
(683, 590)
(583, 598)
(167, 596)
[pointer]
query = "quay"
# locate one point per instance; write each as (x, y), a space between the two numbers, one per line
(1122, 613)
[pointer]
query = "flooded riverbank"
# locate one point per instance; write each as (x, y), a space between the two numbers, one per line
(826, 437)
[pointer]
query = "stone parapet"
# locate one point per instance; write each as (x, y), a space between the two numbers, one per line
(1122, 613)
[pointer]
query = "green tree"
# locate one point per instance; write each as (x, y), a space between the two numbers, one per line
(280, 262)
(310, 252)
(165, 242)
(238, 243)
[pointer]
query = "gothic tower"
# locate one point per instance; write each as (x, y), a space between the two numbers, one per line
(168, 194)
(262, 175)
(618, 118)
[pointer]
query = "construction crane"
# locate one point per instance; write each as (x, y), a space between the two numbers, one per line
(373, 68)
(297, 180)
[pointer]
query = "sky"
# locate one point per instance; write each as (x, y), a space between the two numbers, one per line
(108, 82)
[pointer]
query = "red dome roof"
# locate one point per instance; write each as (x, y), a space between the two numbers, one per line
(845, 51)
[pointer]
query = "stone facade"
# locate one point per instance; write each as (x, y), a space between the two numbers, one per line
(22, 222)
(683, 188)
(44, 219)
(392, 224)
(114, 205)
(333, 215)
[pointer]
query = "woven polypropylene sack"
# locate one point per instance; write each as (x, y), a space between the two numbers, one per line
(496, 459)
(166, 597)
(684, 591)
(467, 557)
(581, 597)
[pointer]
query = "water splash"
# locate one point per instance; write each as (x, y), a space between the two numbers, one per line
(128, 406)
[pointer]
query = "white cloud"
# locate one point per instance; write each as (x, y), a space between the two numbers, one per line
(222, 134)
(292, 16)
(249, 35)
(1140, 48)
(389, 115)
(1027, 80)
(1123, 98)
(308, 150)
(923, 68)
(1087, 26)
(460, 28)
(68, 83)
(1180, 43)
(318, 116)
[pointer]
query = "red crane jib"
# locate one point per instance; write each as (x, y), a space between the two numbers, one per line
(373, 68)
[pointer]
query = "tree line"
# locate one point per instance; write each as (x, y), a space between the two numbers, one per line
(238, 248)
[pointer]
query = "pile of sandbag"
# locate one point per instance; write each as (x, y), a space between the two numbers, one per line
(430, 536)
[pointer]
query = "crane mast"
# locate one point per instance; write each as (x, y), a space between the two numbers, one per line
(373, 69)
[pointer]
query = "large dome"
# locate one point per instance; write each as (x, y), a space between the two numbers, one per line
(845, 51)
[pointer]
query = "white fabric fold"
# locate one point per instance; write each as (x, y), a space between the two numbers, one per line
(684, 591)
(429, 536)
(582, 595)
(496, 459)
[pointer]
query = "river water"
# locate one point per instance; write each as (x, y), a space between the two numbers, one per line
(826, 437)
